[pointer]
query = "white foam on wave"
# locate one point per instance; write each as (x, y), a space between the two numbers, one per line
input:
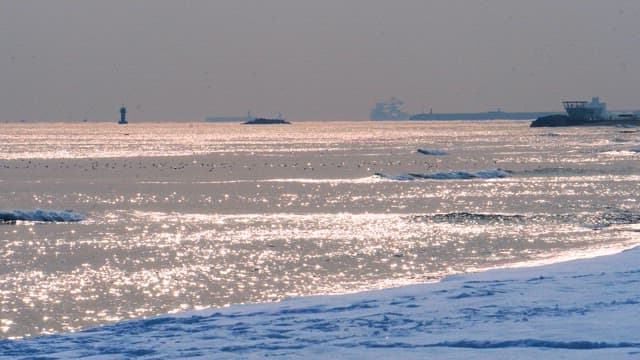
(40, 215)
(363, 180)
(629, 152)
(449, 175)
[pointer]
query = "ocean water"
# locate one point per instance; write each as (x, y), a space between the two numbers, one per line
(101, 223)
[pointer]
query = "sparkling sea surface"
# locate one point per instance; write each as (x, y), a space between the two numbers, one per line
(191, 215)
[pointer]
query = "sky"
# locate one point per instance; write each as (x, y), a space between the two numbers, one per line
(166, 60)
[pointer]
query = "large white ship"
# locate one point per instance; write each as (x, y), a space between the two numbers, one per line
(595, 111)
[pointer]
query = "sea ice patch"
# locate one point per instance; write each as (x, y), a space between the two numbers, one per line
(40, 215)
(449, 175)
(432, 152)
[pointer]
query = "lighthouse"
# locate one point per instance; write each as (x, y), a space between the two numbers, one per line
(123, 115)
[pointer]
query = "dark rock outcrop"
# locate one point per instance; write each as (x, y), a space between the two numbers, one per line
(554, 120)
(564, 120)
(264, 121)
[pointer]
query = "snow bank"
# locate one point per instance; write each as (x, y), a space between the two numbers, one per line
(578, 310)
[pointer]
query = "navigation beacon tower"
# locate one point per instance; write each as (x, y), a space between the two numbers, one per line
(123, 115)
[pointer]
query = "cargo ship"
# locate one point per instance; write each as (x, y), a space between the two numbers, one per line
(489, 115)
(388, 110)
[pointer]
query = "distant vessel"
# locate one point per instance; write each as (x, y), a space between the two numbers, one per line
(123, 116)
(584, 111)
(489, 115)
(588, 113)
(596, 111)
(388, 110)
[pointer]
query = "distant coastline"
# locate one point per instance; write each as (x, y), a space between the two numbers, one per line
(238, 119)
(391, 110)
(489, 115)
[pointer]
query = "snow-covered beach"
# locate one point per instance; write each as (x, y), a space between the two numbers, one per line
(580, 309)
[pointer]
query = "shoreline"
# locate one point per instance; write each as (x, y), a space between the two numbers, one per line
(393, 284)
(518, 312)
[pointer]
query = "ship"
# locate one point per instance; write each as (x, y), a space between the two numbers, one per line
(388, 110)
(488, 115)
(588, 113)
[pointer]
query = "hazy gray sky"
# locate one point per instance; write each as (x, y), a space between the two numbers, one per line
(329, 59)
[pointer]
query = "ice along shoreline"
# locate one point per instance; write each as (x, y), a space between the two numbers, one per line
(576, 309)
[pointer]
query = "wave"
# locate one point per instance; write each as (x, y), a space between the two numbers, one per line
(400, 177)
(432, 152)
(629, 152)
(40, 215)
(465, 217)
(626, 126)
(594, 221)
(497, 344)
(619, 218)
(556, 171)
(364, 180)
(535, 343)
(449, 175)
